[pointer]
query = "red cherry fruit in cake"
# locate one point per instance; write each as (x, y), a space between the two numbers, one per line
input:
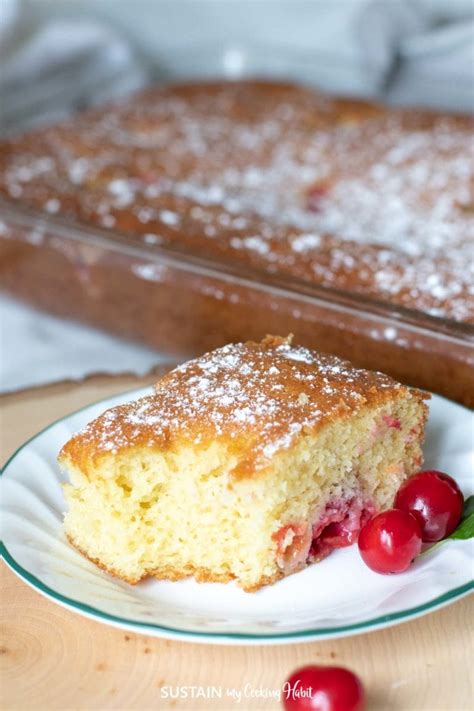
(315, 196)
(390, 541)
(316, 688)
(436, 501)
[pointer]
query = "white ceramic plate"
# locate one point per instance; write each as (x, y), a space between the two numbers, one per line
(338, 597)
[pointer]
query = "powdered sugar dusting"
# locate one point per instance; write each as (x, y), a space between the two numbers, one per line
(257, 397)
(343, 195)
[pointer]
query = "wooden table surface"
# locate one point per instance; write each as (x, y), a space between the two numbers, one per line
(54, 659)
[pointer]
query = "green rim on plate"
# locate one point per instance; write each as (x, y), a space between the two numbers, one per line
(366, 625)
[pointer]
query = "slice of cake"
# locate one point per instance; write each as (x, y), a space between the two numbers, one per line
(248, 463)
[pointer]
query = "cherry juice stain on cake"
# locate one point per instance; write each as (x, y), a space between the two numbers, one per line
(337, 526)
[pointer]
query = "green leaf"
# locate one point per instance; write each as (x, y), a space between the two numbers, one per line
(468, 508)
(464, 531)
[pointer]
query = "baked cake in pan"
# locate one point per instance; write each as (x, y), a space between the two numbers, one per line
(338, 193)
(248, 463)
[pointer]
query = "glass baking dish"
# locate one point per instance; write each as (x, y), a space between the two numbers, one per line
(184, 304)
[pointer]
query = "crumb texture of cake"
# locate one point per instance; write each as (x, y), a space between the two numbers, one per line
(248, 463)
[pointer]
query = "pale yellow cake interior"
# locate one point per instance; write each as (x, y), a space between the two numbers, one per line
(144, 512)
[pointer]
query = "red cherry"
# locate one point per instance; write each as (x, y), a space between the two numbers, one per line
(317, 688)
(389, 541)
(436, 501)
(316, 196)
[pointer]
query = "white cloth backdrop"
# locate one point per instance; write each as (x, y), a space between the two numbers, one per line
(58, 56)
(39, 348)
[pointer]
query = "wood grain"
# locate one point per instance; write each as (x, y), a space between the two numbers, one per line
(54, 659)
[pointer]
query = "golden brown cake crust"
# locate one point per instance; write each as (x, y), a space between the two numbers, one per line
(338, 193)
(255, 398)
(201, 575)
